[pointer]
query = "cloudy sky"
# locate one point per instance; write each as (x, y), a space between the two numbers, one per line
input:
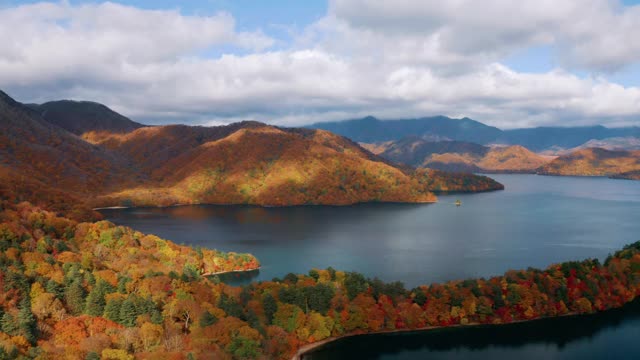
(503, 62)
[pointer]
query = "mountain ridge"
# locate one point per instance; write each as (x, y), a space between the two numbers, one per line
(465, 129)
(79, 117)
(595, 162)
(240, 163)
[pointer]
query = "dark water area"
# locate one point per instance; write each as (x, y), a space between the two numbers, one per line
(610, 335)
(535, 221)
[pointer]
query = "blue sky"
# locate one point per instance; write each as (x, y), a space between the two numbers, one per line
(505, 63)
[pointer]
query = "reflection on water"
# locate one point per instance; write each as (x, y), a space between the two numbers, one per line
(236, 278)
(611, 335)
(536, 221)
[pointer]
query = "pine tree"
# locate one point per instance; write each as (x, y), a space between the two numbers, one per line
(26, 321)
(74, 296)
(55, 288)
(207, 319)
(112, 310)
(8, 324)
(95, 300)
(156, 317)
(270, 307)
(128, 313)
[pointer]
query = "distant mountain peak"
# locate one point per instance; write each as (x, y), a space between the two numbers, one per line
(80, 117)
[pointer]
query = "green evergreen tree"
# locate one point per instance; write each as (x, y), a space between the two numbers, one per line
(26, 321)
(92, 356)
(128, 313)
(95, 300)
(74, 296)
(112, 310)
(156, 317)
(8, 324)
(243, 348)
(270, 307)
(55, 288)
(207, 319)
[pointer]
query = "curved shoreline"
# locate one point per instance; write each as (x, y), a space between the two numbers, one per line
(231, 271)
(309, 348)
(279, 206)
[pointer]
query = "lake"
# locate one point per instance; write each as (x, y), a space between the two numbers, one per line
(535, 221)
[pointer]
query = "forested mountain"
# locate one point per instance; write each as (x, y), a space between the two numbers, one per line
(372, 130)
(594, 162)
(460, 156)
(41, 161)
(242, 163)
(95, 290)
(80, 117)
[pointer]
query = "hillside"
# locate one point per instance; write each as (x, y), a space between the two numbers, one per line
(594, 162)
(81, 117)
(253, 163)
(372, 130)
(241, 163)
(96, 290)
(44, 163)
(461, 156)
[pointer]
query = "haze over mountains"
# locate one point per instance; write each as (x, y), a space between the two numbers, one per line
(372, 130)
(119, 162)
(470, 146)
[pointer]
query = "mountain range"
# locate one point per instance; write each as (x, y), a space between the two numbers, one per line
(100, 158)
(372, 130)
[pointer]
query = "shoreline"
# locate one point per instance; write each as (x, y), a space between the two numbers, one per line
(278, 206)
(309, 348)
(231, 271)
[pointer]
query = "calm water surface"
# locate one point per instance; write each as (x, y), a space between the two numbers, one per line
(535, 222)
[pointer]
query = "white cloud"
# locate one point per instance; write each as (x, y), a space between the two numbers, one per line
(58, 40)
(598, 34)
(390, 59)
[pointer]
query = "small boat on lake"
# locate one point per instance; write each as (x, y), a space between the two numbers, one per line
(458, 202)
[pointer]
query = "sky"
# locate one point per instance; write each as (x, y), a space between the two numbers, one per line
(506, 63)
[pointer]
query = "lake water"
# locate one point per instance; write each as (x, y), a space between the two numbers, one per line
(535, 221)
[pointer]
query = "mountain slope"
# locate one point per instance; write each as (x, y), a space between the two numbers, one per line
(46, 164)
(461, 156)
(80, 117)
(242, 163)
(264, 165)
(614, 143)
(594, 162)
